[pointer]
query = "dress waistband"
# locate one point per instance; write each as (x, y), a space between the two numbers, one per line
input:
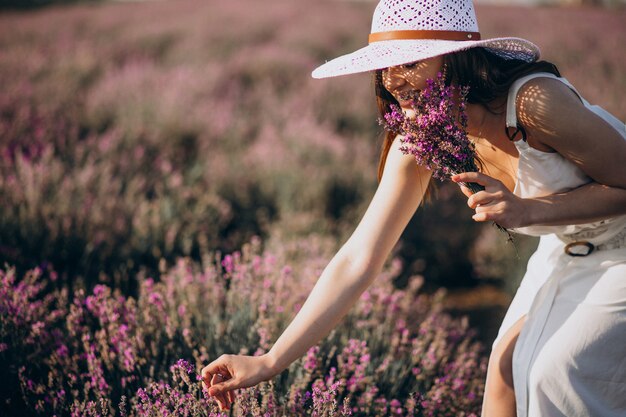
(584, 248)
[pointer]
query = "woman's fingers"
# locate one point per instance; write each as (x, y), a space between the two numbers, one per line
(213, 377)
(491, 204)
(223, 400)
(477, 177)
(231, 372)
(483, 198)
(495, 203)
(465, 190)
(224, 387)
(218, 366)
(483, 216)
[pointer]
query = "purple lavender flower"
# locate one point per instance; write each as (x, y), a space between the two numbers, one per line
(185, 366)
(437, 136)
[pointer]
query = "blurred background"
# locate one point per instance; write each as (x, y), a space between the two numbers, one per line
(139, 139)
(133, 133)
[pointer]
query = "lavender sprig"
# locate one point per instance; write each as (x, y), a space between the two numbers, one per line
(437, 135)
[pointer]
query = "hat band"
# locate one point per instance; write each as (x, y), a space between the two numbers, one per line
(447, 35)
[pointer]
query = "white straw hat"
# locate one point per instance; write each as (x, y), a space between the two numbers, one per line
(405, 31)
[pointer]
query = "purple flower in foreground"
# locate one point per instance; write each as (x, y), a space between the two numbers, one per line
(186, 366)
(311, 360)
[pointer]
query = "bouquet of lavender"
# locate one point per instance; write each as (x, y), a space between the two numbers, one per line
(437, 135)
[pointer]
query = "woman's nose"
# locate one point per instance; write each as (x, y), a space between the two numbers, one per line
(393, 78)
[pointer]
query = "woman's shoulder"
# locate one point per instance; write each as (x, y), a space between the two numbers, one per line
(546, 105)
(552, 112)
(545, 86)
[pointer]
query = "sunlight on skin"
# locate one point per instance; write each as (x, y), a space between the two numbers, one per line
(558, 118)
(411, 76)
(540, 101)
(531, 96)
(499, 383)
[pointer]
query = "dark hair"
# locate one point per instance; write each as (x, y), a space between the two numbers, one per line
(488, 75)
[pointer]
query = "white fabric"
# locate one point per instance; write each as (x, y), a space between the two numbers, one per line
(542, 173)
(570, 357)
(448, 15)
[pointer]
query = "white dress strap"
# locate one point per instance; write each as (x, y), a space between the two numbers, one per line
(511, 116)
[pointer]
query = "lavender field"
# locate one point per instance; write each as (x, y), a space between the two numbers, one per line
(173, 182)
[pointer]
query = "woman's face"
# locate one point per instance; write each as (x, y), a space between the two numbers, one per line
(412, 76)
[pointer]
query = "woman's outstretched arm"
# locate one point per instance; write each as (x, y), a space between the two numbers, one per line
(348, 274)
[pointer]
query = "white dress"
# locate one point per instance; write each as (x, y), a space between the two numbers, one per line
(570, 357)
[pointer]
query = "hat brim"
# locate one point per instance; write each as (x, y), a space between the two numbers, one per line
(379, 55)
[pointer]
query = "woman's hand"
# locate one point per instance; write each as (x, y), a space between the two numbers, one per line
(495, 203)
(230, 372)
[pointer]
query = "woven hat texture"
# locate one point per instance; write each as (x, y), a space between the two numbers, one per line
(422, 15)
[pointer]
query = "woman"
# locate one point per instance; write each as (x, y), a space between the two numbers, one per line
(552, 165)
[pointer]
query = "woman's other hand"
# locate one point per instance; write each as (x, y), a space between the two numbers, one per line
(495, 203)
(229, 372)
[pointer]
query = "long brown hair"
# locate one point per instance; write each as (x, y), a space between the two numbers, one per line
(488, 75)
